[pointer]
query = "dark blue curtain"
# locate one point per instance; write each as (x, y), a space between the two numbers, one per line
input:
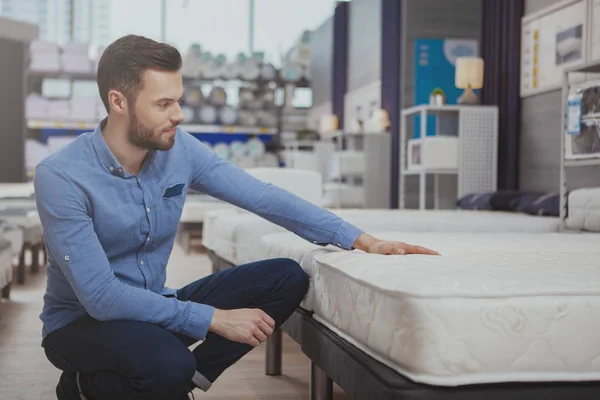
(339, 76)
(501, 52)
(391, 14)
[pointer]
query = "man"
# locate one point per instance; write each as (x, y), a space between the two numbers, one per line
(110, 203)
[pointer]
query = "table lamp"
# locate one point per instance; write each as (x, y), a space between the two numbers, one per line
(328, 125)
(469, 76)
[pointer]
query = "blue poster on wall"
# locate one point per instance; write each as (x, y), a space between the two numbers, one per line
(435, 61)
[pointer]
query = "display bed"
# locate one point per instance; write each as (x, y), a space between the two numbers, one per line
(494, 308)
(236, 236)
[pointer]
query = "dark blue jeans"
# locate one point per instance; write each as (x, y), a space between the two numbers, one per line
(138, 360)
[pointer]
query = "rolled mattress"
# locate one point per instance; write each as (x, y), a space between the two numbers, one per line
(492, 308)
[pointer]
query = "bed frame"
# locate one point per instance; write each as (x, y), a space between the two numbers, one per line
(333, 359)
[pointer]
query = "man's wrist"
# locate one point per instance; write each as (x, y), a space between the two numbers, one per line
(364, 242)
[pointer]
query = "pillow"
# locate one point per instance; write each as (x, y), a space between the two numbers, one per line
(539, 204)
(475, 201)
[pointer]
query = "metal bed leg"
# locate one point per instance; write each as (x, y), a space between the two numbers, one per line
(21, 266)
(274, 353)
(321, 386)
(35, 258)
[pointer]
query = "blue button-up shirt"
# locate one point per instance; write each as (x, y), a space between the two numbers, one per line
(109, 234)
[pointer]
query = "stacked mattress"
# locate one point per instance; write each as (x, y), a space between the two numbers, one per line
(497, 307)
(236, 236)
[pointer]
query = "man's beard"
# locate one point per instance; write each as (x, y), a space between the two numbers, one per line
(143, 137)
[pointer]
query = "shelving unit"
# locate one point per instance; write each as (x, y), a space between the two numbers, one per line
(469, 152)
(570, 83)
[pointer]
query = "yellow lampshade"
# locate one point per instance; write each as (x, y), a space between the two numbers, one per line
(469, 73)
(328, 124)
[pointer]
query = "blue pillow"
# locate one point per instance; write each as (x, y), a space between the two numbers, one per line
(476, 201)
(541, 204)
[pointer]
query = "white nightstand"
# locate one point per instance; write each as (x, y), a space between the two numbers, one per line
(470, 153)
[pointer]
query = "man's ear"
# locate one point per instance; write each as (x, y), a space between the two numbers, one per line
(117, 102)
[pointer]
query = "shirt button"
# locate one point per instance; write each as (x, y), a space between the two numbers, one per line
(142, 262)
(111, 168)
(67, 258)
(148, 209)
(148, 239)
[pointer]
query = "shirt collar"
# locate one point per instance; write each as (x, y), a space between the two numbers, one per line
(106, 156)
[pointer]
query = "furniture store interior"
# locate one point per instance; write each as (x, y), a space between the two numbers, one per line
(358, 199)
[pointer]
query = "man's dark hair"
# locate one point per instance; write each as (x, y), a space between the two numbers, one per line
(124, 61)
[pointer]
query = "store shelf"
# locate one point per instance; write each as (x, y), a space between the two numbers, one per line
(446, 108)
(584, 161)
(437, 171)
(91, 76)
(590, 117)
(52, 124)
(191, 128)
(218, 129)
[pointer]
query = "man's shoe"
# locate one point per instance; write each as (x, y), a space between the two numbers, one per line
(67, 388)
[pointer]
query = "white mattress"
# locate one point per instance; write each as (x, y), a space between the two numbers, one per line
(236, 237)
(15, 236)
(493, 308)
(6, 257)
(584, 210)
(29, 221)
(196, 207)
(16, 190)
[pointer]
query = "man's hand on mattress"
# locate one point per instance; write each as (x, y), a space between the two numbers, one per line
(249, 325)
(369, 244)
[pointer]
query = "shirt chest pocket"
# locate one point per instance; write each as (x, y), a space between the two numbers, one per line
(172, 201)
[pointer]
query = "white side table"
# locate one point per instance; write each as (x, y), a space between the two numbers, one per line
(472, 154)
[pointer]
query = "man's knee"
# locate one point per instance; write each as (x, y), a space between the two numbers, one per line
(294, 275)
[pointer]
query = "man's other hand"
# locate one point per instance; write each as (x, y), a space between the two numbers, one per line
(373, 245)
(247, 325)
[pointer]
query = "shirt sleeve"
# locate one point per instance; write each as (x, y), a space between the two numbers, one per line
(218, 178)
(71, 241)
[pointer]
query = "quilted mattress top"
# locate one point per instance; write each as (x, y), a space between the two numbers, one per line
(495, 264)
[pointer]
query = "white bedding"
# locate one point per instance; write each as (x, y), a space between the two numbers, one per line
(236, 237)
(584, 210)
(493, 308)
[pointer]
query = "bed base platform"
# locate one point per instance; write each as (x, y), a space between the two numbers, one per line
(333, 359)
(363, 377)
